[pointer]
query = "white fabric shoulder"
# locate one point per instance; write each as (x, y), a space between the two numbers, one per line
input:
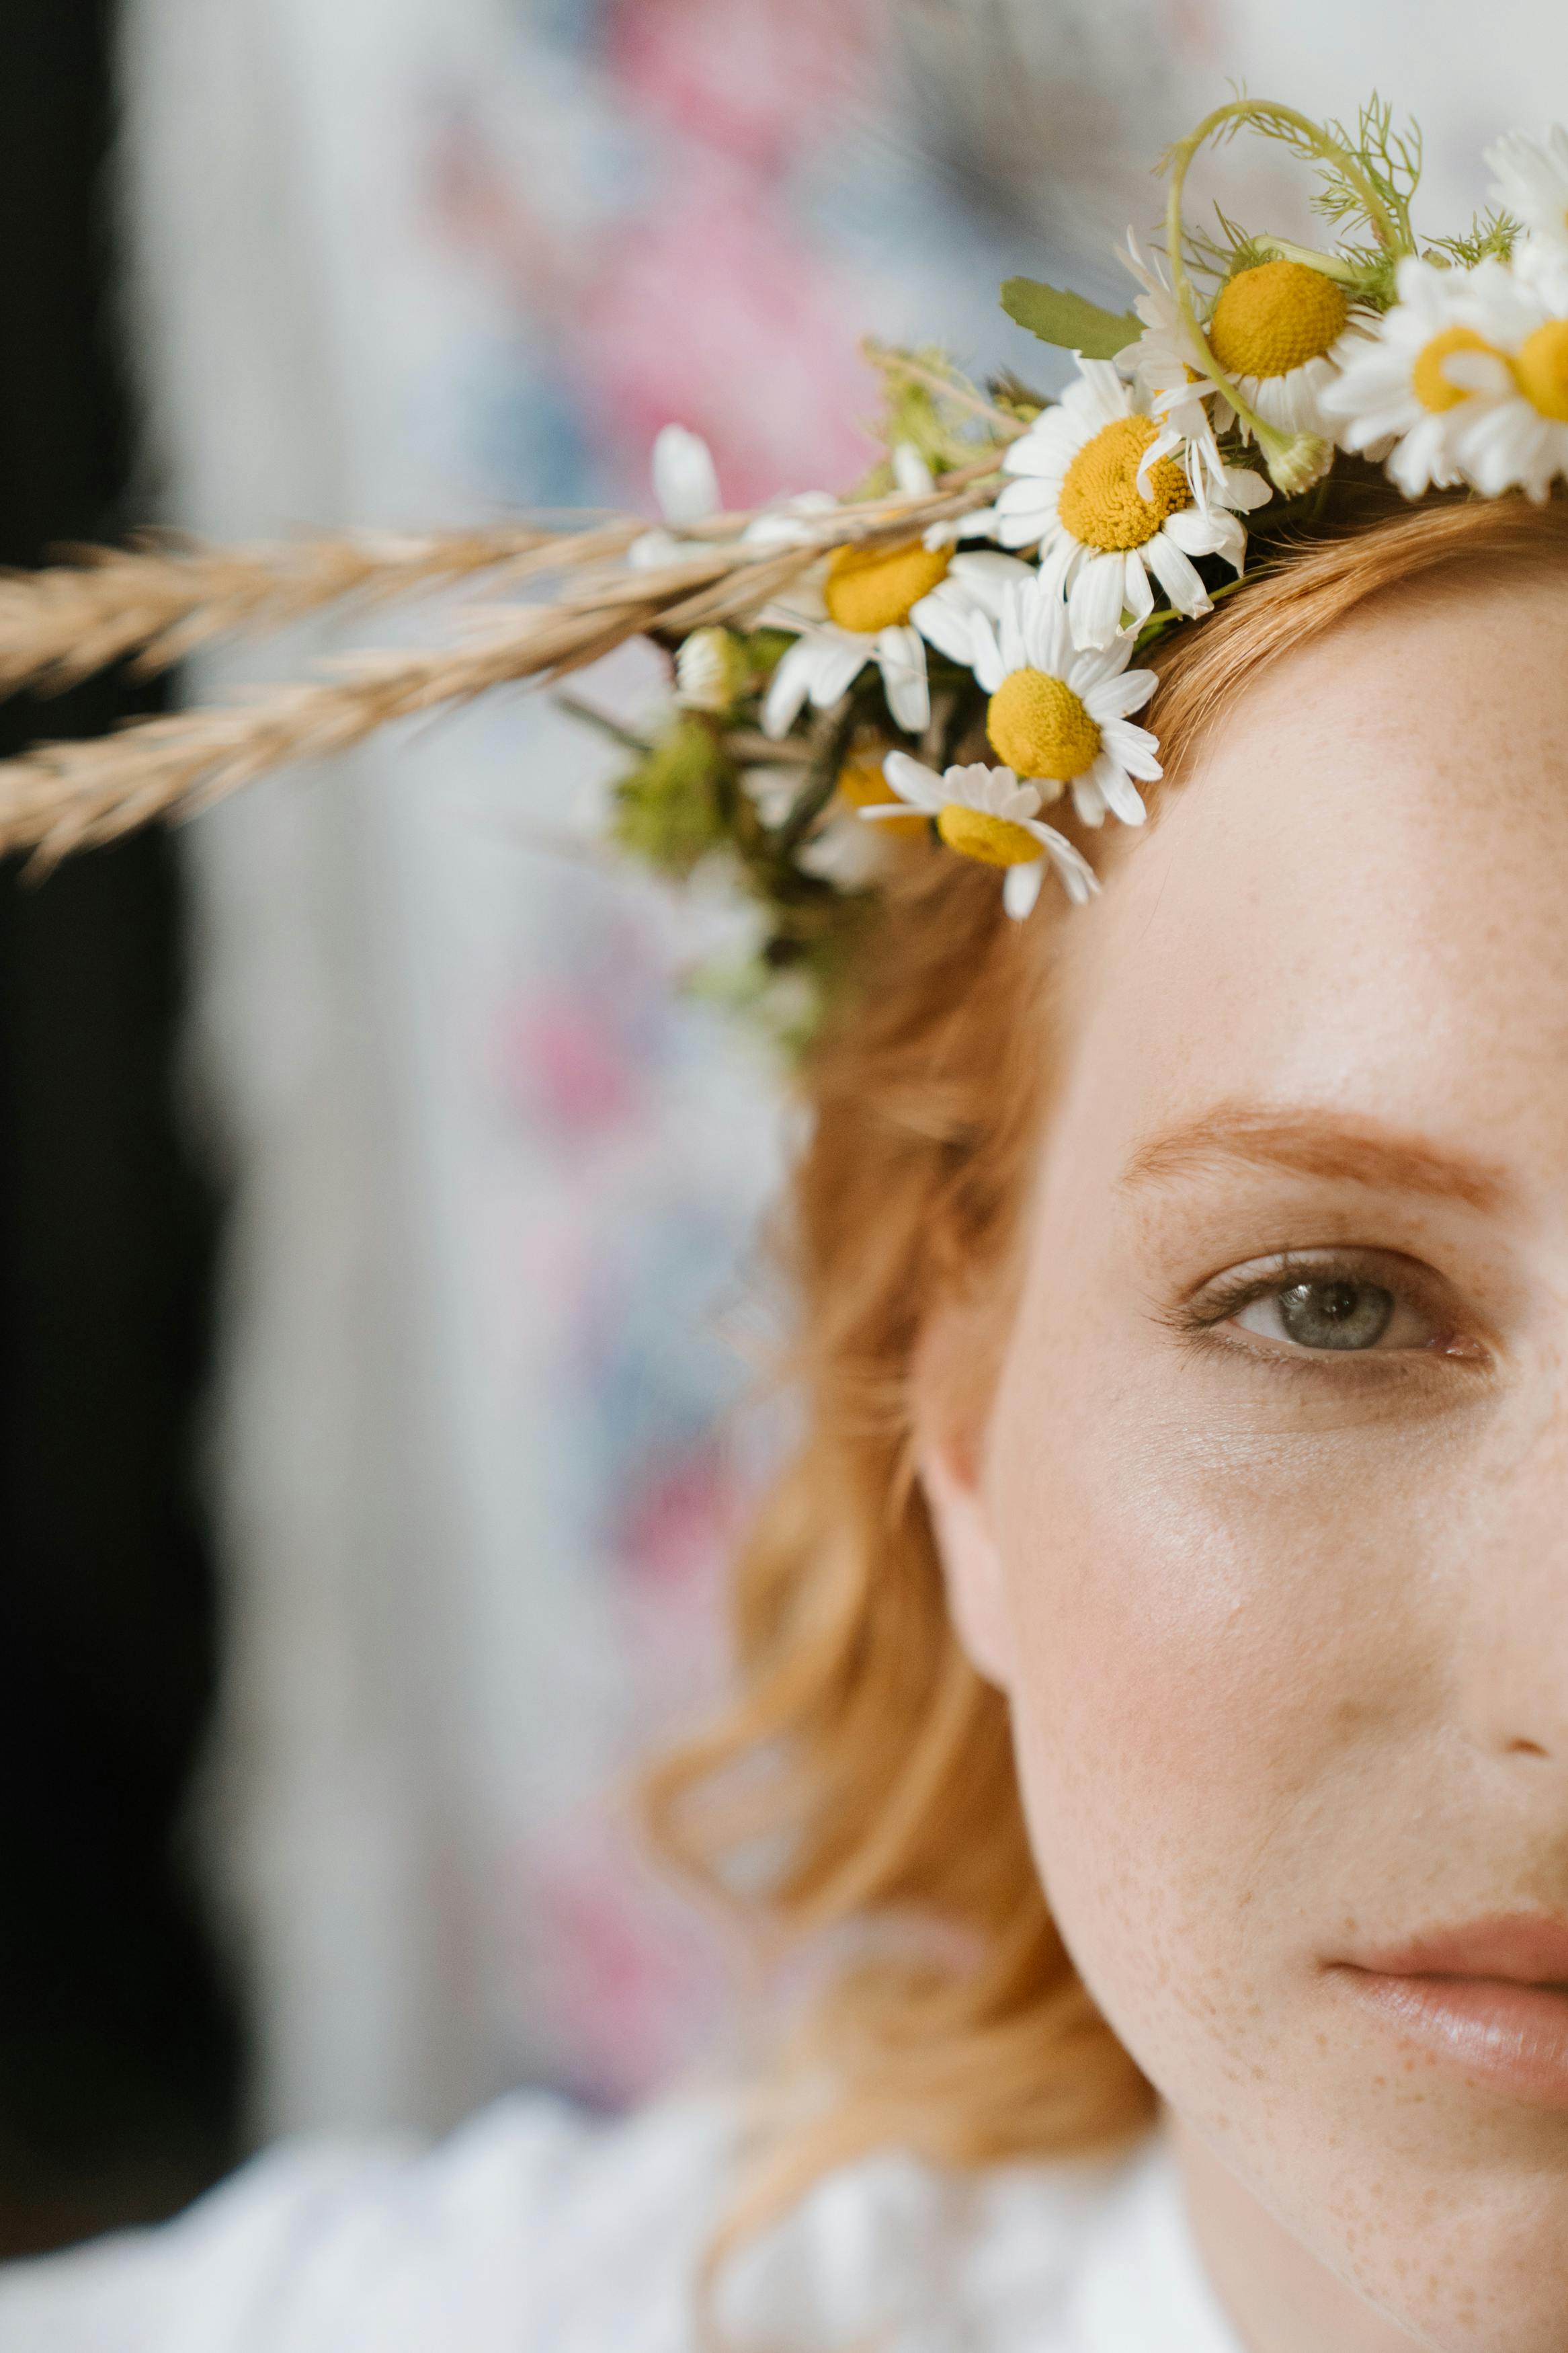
(533, 2231)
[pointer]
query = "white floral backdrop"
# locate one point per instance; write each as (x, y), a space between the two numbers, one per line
(475, 1457)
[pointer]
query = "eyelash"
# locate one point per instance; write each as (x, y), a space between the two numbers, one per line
(1199, 1320)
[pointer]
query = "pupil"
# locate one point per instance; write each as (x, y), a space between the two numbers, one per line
(1336, 1315)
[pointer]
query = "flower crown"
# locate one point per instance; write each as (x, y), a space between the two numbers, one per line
(953, 650)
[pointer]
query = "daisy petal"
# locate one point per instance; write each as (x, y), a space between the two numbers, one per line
(987, 574)
(1096, 664)
(947, 624)
(837, 657)
(916, 784)
(1132, 748)
(787, 691)
(1087, 802)
(1118, 791)
(1246, 490)
(911, 473)
(1107, 397)
(1176, 575)
(985, 655)
(1075, 875)
(901, 658)
(684, 480)
(1021, 887)
(1094, 605)
(1118, 698)
(1138, 597)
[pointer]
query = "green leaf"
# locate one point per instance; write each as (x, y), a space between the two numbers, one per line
(1068, 320)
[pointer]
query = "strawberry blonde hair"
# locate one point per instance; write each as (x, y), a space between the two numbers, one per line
(860, 1790)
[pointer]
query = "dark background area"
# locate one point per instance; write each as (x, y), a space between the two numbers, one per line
(118, 2048)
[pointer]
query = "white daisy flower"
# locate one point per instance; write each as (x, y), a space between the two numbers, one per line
(881, 604)
(1281, 332)
(858, 613)
(987, 813)
(1060, 716)
(1106, 521)
(1513, 433)
(1533, 184)
(686, 485)
(1399, 389)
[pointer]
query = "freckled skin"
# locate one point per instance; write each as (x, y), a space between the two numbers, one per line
(1288, 1652)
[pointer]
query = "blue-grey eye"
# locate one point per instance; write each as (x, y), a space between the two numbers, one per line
(1333, 1312)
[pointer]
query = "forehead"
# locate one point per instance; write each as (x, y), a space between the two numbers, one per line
(1358, 898)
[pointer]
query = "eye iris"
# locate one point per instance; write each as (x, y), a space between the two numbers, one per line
(1336, 1315)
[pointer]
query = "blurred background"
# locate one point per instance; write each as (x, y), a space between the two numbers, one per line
(378, 1223)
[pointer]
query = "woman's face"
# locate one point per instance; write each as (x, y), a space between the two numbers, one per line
(1268, 1539)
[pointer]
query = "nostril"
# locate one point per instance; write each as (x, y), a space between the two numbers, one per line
(1524, 1748)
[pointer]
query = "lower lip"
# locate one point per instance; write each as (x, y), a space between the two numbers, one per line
(1494, 2031)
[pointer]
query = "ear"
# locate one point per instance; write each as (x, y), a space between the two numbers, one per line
(949, 1457)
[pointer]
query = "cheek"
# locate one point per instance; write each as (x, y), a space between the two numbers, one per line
(1211, 1657)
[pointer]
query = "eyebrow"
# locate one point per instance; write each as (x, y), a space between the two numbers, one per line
(1318, 1143)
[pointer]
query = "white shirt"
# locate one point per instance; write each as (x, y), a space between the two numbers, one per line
(533, 2231)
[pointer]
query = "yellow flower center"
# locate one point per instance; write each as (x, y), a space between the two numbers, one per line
(1100, 502)
(1431, 385)
(862, 785)
(1275, 318)
(1541, 367)
(1038, 726)
(872, 588)
(976, 834)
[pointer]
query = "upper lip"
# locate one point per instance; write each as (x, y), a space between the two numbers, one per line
(1524, 1947)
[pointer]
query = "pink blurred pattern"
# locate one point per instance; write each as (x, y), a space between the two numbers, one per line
(761, 366)
(745, 77)
(662, 263)
(706, 298)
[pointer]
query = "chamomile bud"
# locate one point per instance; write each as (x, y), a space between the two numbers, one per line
(710, 671)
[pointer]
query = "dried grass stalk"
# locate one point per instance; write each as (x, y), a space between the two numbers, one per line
(63, 796)
(163, 598)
